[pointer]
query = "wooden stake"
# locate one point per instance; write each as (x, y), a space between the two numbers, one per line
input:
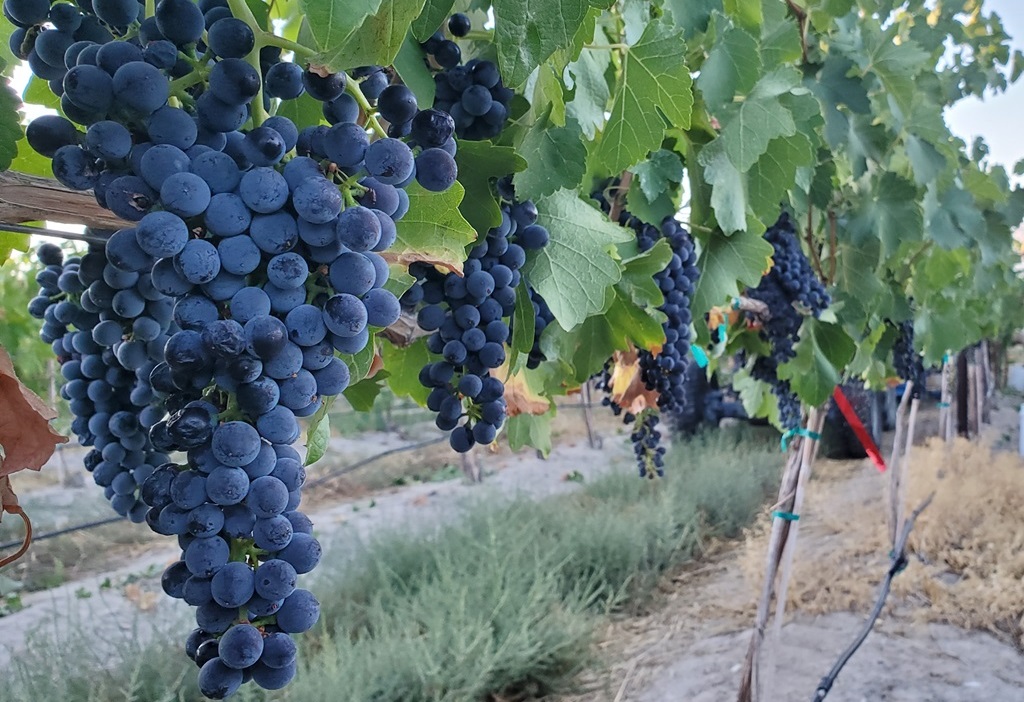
(895, 464)
(899, 480)
(593, 441)
(973, 404)
(808, 451)
(945, 408)
(750, 680)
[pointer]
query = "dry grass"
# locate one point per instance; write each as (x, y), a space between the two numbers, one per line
(967, 548)
(971, 539)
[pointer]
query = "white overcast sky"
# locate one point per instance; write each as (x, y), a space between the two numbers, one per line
(999, 119)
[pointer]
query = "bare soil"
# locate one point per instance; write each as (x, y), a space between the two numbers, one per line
(692, 643)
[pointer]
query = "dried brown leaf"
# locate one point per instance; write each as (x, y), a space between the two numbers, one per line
(27, 438)
(628, 389)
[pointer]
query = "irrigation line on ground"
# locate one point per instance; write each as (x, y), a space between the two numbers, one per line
(312, 484)
(899, 562)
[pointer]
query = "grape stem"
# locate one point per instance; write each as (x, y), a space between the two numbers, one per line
(270, 39)
(479, 35)
(353, 89)
(241, 11)
(150, 8)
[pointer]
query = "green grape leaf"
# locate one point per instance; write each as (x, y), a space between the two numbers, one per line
(532, 430)
(757, 120)
(377, 40)
(37, 92)
(479, 162)
(318, 433)
(363, 394)
(822, 353)
(404, 366)
(638, 274)
(728, 187)
(398, 280)
(548, 101)
(574, 271)
(359, 364)
(654, 86)
(896, 65)
(524, 325)
(588, 347)
(757, 397)
(665, 205)
(773, 174)
(724, 260)
(30, 161)
(302, 110)
(412, 68)
(433, 230)
(692, 16)
(944, 326)
(434, 13)
(780, 36)
(334, 22)
(732, 66)
(746, 12)
(10, 126)
(925, 160)
(11, 241)
(586, 78)
(658, 173)
(527, 32)
(556, 158)
(892, 213)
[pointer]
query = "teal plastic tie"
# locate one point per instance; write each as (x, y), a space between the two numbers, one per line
(699, 356)
(788, 516)
(943, 405)
(798, 431)
(723, 333)
(735, 303)
(945, 358)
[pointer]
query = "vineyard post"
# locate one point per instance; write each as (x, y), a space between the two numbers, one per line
(945, 410)
(973, 399)
(593, 441)
(895, 462)
(898, 486)
(750, 676)
(985, 383)
(808, 452)
(962, 395)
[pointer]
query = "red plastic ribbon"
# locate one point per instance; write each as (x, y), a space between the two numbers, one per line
(858, 428)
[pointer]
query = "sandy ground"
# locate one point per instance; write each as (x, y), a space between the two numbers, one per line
(691, 644)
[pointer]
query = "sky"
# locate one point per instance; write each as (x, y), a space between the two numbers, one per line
(999, 119)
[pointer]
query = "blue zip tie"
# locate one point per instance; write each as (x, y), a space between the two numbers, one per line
(798, 431)
(735, 303)
(788, 516)
(699, 356)
(723, 333)
(943, 404)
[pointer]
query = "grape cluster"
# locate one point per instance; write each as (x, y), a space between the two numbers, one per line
(905, 359)
(246, 269)
(468, 316)
(663, 373)
(107, 327)
(542, 317)
(790, 290)
(472, 93)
